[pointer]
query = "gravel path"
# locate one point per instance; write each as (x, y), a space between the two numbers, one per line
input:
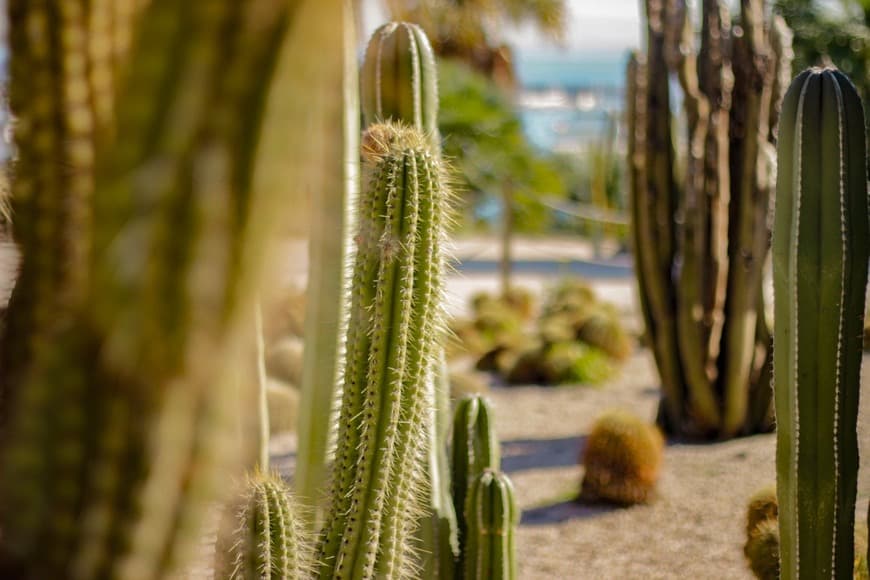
(695, 529)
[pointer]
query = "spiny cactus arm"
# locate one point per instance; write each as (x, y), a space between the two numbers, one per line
(399, 79)
(715, 80)
(492, 515)
(366, 538)
(692, 237)
(751, 172)
(268, 540)
(820, 246)
(327, 281)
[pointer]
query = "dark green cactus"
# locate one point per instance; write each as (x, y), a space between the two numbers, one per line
(701, 242)
(268, 540)
(492, 516)
(394, 328)
(399, 79)
(821, 245)
(113, 442)
(474, 449)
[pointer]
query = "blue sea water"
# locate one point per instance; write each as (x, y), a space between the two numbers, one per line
(569, 100)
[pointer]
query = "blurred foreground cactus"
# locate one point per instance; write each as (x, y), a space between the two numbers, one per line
(701, 242)
(114, 441)
(821, 246)
(395, 326)
(622, 460)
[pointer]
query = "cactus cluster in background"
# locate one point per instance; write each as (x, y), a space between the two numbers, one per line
(576, 339)
(622, 459)
(700, 242)
(821, 246)
(267, 539)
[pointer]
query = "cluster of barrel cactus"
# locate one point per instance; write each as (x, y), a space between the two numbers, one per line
(821, 246)
(700, 242)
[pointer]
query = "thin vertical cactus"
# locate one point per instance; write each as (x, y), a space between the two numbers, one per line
(474, 450)
(112, 450)
(328, 237)
(701, 242)
(821, 246)
(399, 82)
(269, 539)
(394, 328)
(492, 516)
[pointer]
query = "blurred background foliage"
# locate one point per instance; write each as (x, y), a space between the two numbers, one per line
(832, 32)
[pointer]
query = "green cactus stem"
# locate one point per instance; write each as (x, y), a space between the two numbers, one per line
(115, 446)
(474, 449)
(394, 328)
(820, 250)
(327, 254)
(492, 516)
(268, 540)
(398, 81)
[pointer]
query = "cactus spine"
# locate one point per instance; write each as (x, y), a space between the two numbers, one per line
(475, 449)
(394, 327)
(269, 541)
(820, 250)
(700, 245)
(399, 83)
(112, 448)
(492, 515)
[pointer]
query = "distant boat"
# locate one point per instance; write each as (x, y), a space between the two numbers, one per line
(586, 101)
(549, 99)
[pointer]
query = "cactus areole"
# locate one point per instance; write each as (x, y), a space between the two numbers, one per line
(820, 250)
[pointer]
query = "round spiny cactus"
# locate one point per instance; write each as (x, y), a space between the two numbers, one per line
(762, 550)
(623, 458)
(762, 506)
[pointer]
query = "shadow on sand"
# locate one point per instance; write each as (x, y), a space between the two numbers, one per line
(564, 511)
(523, 454)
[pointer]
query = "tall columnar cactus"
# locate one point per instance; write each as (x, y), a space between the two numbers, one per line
(399, 82)
(821, 245)
(268, 540)
(701, 244)
(492, 516)
(113, 442)
(474, 450)
(394, 329)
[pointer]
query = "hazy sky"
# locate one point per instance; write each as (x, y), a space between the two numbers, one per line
(593, 25)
